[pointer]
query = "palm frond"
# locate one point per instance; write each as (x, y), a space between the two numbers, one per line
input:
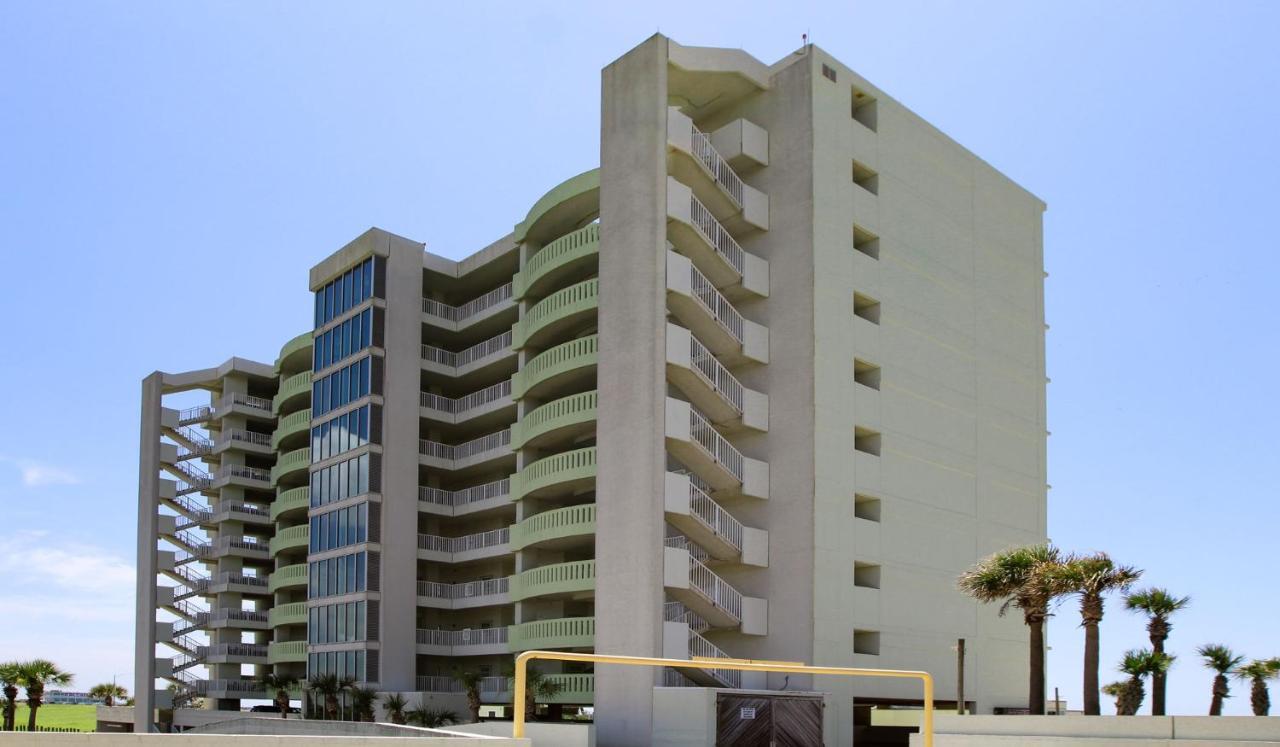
(1219, 658)
(1156, 602)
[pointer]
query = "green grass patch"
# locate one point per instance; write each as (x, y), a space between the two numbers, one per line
(82, 717)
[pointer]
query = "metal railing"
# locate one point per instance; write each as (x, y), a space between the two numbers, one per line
(465, 496)
(455, 452)
(716, 166)
(717, 446)
(468, 309)
(249, 437)
(459, 405)
(701, 648)
(194, 414)
(443, 684)
(714, 374)
(715, 304)
(713, 516)
(464, 637)
(492, 346)
(244, 472)
(681, 542)
(224, 615)
(677, 612)
(248, 650)
(245, 400)
(465, 590)
(714, 589)
(479, 541)
(228, 685)
(716, 235)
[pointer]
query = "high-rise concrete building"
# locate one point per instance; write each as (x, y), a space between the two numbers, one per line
(760, 386)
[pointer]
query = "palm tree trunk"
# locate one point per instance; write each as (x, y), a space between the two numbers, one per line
(1220, 690)
(33, 705)
(1259, 698)
(1158, 679)
(1035, 692)
(1092, 700)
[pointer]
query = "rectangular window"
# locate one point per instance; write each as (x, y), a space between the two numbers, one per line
(343, 539)
(319, 316)
(357, 276)
(363, 462)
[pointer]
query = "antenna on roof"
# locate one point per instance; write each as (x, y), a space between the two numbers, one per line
(804, 39)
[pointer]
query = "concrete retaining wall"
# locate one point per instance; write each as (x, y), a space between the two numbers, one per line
(1097, 731)
(540, 734)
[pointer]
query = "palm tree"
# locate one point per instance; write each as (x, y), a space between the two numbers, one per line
(1091, 577)
(9, 678)
(107, 692)
(1159, 605)
(1222, 660)
(1115, 690)
(394, 703)
(34, 675)
(329, 686)
(282, 684)
(1016, 577)
(1138, 663)
(537, 686)
(1259, 671)
(362, 701)
(471, 680)
(431, 718)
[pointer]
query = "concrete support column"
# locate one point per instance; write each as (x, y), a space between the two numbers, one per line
(632, 385)
(144, 652)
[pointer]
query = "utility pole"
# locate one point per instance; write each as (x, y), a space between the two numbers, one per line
(960, 677)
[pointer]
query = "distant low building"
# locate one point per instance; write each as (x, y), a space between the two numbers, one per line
(66, 697)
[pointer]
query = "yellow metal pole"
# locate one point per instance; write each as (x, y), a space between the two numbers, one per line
(746, 665)
(926, 729)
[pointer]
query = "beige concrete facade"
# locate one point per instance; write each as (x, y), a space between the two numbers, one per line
(761, 386)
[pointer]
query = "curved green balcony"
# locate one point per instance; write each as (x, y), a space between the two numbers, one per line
(560, 578)
(287, 576)
(549, 526)
(293, 387)
(290, 539)
(555, 312)
(569, 202)
(289, 501)
(561, 416)
(291, 355)
(279, 653)
(290, 464)
(555, 260)
(564, 361)
(567, 471)
(297, 424)
(574, 688)
(565, 632)
(294, 613)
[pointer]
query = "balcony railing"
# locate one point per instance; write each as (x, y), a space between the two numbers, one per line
(715, 304)
(716, 235)
(681, 542)
(465, 496)
(716, 590)
(677, 612)
(230, 686)
(441, 684)
(455, 452)
(465, 637)
(245, 400)
(716, 166)
(717, 446)
(472, 354)
(457, 406)
(714, 374)
(480, 541)
(466, 590)
(248, 437)
(468, 309)
(244, 472)
(194, 414)
(247, 650)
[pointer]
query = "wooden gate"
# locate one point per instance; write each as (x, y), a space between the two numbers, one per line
(768, 720)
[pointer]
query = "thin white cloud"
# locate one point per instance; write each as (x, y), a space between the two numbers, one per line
(38, 474)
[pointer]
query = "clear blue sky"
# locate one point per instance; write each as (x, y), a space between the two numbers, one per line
(148, 149)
